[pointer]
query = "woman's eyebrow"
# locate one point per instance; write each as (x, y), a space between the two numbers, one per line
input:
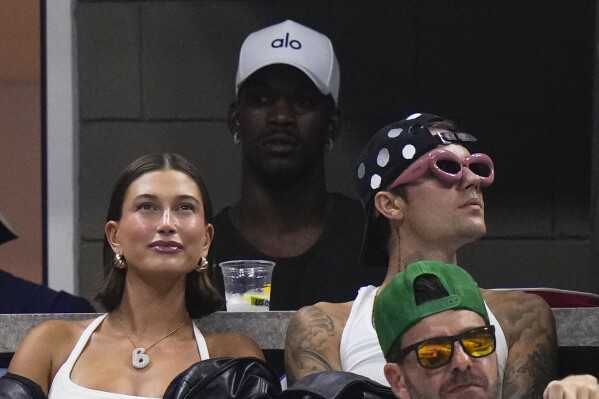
(185, 197)
(189, 198)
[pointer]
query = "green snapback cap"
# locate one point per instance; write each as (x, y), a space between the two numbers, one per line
(395, 310)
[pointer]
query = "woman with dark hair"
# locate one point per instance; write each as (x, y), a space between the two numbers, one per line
(156, 279)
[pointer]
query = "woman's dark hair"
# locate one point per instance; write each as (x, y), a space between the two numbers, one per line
(201, 298)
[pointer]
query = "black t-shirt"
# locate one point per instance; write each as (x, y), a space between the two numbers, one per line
(329, 271)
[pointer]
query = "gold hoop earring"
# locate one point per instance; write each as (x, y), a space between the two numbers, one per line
(202, 266)
(329, 145)
(119, 261)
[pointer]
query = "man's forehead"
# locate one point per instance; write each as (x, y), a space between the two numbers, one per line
(280, 75)
(457, 149)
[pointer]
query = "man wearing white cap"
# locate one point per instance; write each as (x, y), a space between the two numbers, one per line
(285, 119)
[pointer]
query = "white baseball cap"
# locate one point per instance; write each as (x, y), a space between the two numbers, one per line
(292, 44)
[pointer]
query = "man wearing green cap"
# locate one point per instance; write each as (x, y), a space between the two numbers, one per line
(420, 181)
(434, 330)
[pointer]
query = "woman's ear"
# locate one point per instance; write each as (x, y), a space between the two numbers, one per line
(208, 236)
(396, 379)
(111, 230)
(389, 205)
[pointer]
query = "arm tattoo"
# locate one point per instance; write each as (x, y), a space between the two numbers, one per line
(536, 367)
(532, 357)
(309, 340)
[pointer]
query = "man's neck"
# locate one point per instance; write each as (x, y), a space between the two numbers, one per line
(282, 221)
(296, 197)
(400, 256)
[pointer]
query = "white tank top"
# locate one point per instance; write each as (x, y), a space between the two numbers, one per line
(63, 388)
(361, 353)
(359, 349)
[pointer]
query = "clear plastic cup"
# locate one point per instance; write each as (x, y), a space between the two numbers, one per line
(247, 284)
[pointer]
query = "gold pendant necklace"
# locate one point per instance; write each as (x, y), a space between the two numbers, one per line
(139, 357)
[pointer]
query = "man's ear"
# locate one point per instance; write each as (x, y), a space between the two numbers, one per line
(389, 205)
(334, 125)
(395, 377)
(111, 230)
(233, 118)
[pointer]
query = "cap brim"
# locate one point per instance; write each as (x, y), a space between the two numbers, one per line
(240, 80)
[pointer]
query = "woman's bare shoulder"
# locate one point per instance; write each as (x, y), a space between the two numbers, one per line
(54, 334)
(45, 348)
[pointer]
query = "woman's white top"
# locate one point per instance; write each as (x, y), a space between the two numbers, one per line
(63, 388)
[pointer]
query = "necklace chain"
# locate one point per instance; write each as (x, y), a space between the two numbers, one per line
(148, 348)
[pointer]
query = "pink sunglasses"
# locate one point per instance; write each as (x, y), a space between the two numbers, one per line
(447, 167)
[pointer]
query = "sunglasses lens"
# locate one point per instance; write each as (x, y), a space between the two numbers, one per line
(479, 343)
(448, 166)
(432, 355)
(480, 169)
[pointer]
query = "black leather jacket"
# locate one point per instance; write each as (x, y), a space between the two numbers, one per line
(337, 385)
(14, 386)
(226, 378)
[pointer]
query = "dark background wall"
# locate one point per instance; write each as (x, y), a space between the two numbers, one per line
(159, 76)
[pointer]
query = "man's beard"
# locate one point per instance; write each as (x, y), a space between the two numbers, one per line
(469, 233)
(493, 393)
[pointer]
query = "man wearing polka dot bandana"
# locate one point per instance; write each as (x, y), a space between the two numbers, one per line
(421, 189)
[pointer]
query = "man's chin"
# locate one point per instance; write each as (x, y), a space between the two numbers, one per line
(474, 231)
(466, 392)
(471, 392)
(282, 175)
(281, 172)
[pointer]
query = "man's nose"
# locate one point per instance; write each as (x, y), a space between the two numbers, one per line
(469, 178)
(461, 360)
(283, 111)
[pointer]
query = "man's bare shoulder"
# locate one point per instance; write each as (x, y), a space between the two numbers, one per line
(514, 304)
(337, 311)
(529, 327)
(313, 338)
(520, 314)
(320, 312)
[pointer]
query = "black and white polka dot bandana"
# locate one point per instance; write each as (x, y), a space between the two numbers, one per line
(391, 151)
